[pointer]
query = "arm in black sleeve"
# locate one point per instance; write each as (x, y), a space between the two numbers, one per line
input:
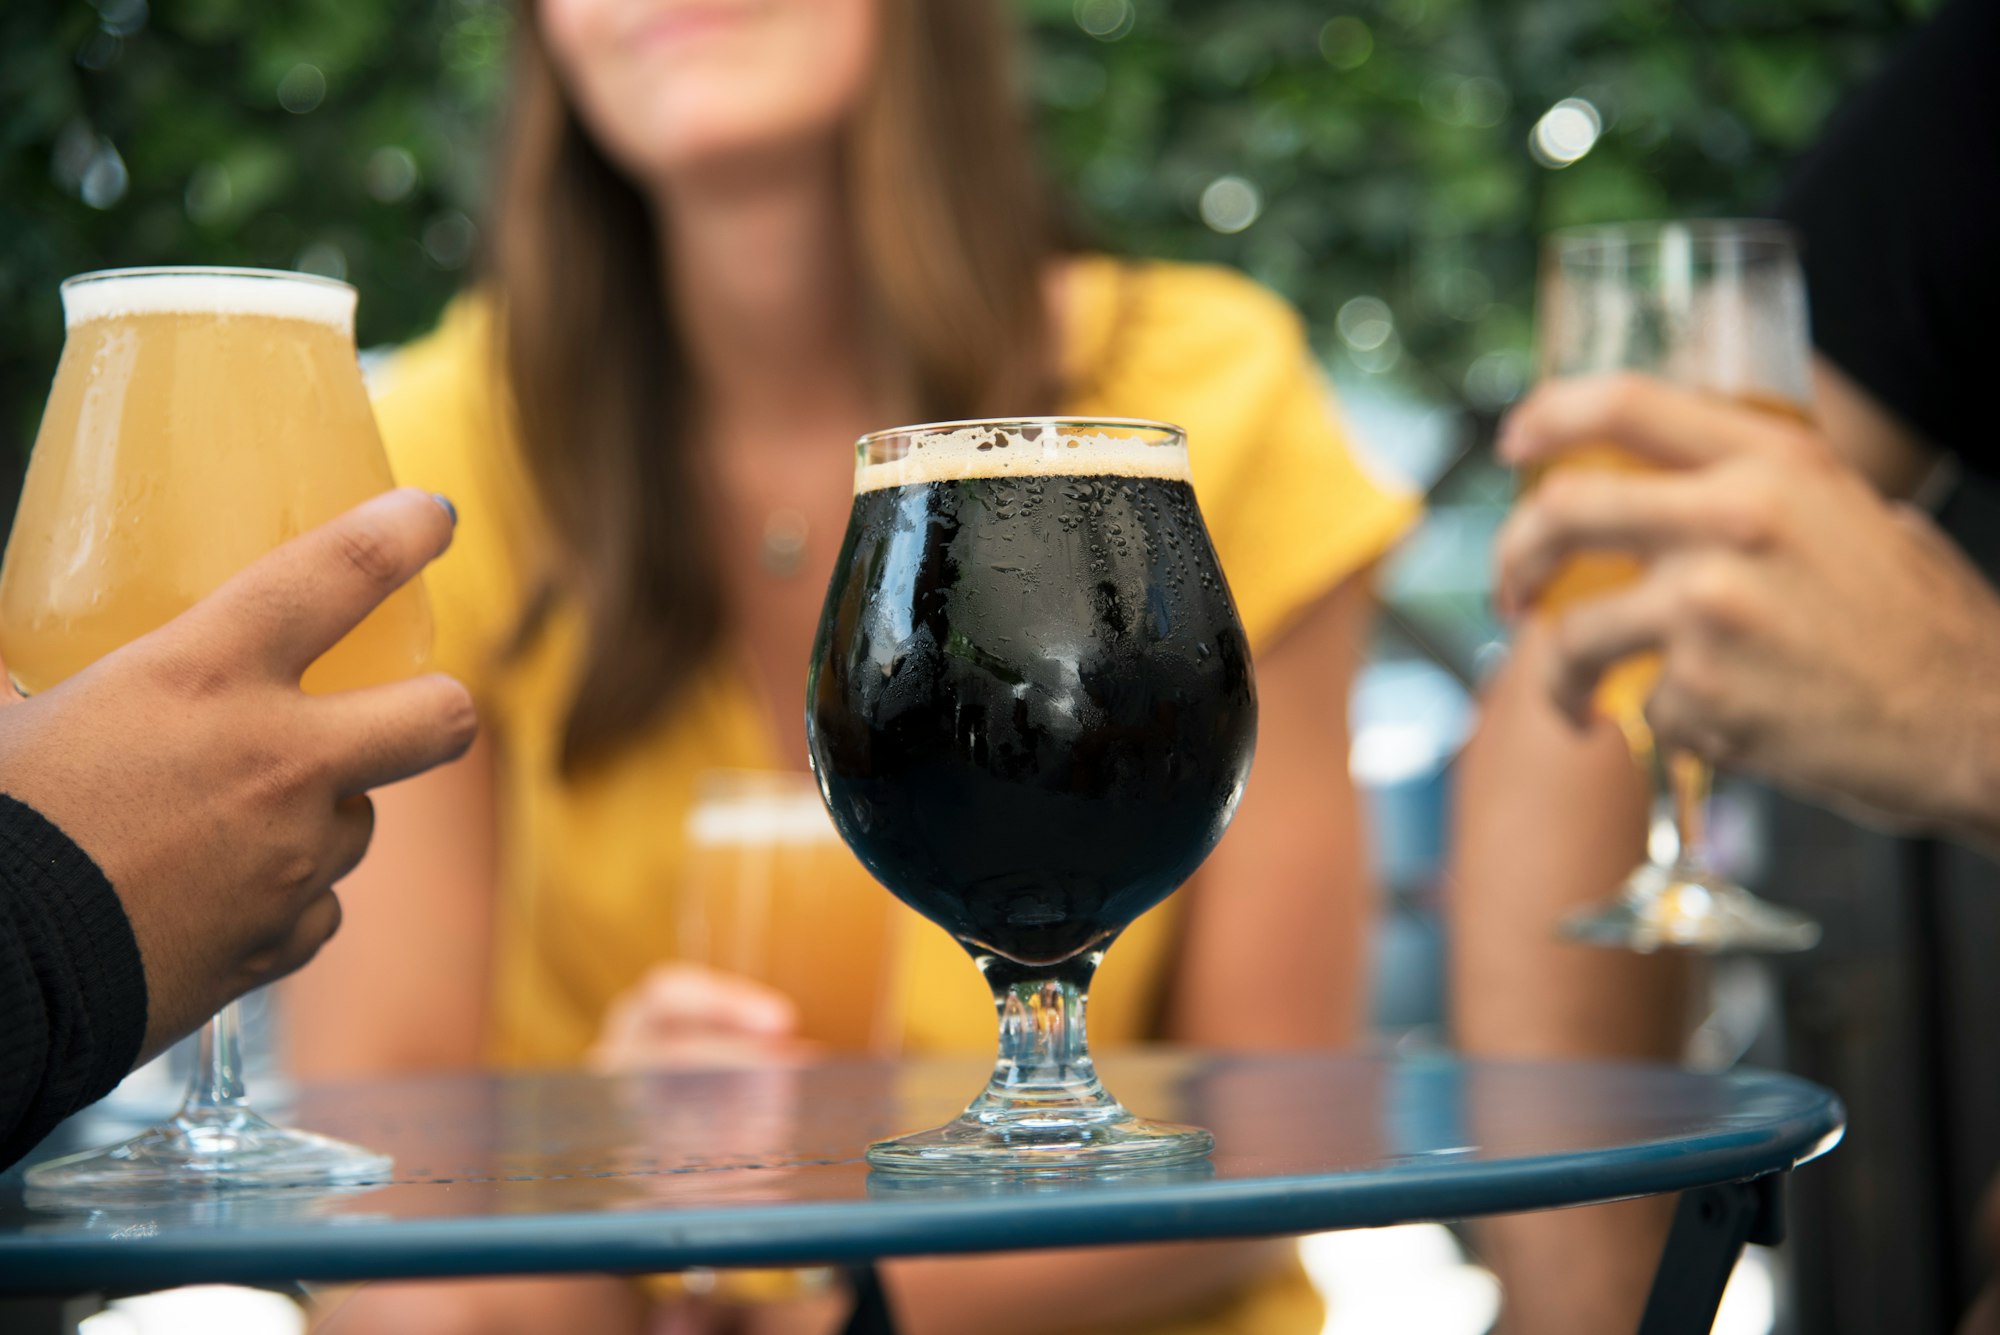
(1898, 208)
(72, 988)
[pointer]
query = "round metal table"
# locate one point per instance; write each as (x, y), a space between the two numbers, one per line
(540, 1174)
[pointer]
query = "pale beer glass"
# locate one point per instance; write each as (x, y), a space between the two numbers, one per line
(773, 894)
(199, 417)
(1719, 307)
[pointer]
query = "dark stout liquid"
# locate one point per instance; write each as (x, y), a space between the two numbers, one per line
(1030, 704)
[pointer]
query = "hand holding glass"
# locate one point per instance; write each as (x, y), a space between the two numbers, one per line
(199, 418)
(1719, 307)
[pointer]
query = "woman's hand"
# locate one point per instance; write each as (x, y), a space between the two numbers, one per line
(1810, 631)
(221, 801)
(689, 1015)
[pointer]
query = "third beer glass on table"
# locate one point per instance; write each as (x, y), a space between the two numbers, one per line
(1031, 713)
(773, 894)
(1715, 306)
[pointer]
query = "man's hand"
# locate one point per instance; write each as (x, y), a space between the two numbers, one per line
(220, 800)
(1810, 631)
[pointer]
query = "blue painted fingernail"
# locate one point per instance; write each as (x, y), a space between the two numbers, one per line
(450, 510)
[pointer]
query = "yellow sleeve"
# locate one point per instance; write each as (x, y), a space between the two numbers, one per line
(437, 404)
(1293, 511)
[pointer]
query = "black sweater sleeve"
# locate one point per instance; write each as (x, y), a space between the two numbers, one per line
(72, 989)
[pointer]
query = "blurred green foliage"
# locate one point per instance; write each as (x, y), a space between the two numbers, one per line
(1368, 158)
(1387, 144)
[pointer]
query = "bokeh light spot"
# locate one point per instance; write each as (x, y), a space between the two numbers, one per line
(449, 238)
(1482, 102)
(121, 18)
(1106, 20)
(1071, 82)
(1495, 379)
(323, 258)
(1365, 323)
(1230, 204)
(1566, 132)
(1345, 42)
(105, 179)
(391, 174)
(302, 89)
(100, 51)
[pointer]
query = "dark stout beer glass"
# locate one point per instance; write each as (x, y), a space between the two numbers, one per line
(1031, 713)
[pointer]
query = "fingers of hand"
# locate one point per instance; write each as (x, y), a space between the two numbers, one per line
(311, 927)
(297, 907)
(347, 844)
(1594, 636)
(315, 927)
(297, 601)
(382, 734)
(688, 998)
(1667, 424)
(1584, 510)
(1679, 720)
(316, 924)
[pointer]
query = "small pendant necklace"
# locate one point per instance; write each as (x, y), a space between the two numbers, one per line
(782, 550)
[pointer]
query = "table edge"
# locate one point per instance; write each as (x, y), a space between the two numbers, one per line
(644, 1241)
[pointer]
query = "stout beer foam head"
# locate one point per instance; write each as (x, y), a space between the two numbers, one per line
(1022, 447)
(117, 293)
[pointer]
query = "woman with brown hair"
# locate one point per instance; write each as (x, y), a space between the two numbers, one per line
(731, 236)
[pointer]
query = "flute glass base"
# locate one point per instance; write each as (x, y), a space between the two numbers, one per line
(205, 1148)
(976, 1144)
(1687, 908)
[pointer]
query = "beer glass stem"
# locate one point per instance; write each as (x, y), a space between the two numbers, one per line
(217, 1088)
(1688, 780)
(1044, 1070)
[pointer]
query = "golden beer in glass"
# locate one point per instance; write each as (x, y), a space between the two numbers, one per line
(196, 422)
(199, 418)
(773, 894)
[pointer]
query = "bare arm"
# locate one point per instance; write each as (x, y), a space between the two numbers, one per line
(1871, 439)
(1546, 819)
(407, 987)
(406, 984)
(1272, 948)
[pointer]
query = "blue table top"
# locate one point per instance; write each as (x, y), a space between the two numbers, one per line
(540, 1174)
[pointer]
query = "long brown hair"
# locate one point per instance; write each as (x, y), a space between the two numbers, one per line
(951, 238)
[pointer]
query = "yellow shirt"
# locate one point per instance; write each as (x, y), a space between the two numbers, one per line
(590, 867)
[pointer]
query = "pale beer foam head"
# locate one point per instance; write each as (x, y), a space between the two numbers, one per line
(772, 818)
(275, 294)
(1022, 447)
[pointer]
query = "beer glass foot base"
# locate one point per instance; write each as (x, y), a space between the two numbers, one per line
(1046, 1143)
(1686, 908)
(209, 1148)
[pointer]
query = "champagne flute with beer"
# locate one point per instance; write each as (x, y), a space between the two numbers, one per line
(1720, 307)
